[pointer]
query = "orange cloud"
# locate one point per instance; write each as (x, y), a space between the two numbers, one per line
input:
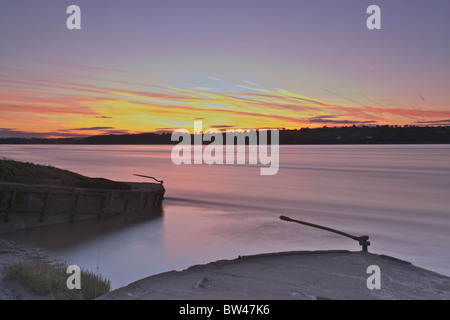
(52, 104)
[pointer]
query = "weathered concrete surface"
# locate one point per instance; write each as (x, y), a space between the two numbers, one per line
(291, 275)
(29, 205)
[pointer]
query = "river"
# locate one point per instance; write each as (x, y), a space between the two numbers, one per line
(399, 195)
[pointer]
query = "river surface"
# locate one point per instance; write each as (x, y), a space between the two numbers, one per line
(399, 195)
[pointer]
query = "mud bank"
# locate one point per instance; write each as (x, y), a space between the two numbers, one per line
(340, 275)
(10, 252)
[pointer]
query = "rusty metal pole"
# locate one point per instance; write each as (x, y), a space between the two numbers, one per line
(363, 240)
(140, 175)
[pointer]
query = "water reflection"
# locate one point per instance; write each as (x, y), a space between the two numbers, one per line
(396, 194)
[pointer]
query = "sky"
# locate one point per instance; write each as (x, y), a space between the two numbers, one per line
(158, 65)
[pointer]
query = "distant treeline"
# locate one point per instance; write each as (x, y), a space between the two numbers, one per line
(335, 135)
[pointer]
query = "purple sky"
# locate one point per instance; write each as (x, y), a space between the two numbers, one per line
(317, 49)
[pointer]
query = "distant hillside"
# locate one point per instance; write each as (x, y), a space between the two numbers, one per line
(367, 135)
(336, 135)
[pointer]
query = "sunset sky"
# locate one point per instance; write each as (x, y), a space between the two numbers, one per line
(158, 65)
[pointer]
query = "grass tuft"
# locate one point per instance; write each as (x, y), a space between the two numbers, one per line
(16, 171)
(43, 278)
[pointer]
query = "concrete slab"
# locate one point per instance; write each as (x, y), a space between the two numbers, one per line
(302, 275)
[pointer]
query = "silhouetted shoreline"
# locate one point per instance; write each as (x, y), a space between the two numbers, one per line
(325, 135)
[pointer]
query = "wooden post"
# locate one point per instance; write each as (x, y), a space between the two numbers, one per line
(44, 209)
(77, 206)
(10, 206)
(111, 202)
(104, 205)
(126, 205)
(147, 201)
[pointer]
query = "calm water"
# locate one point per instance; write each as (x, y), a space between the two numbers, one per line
(399, 195)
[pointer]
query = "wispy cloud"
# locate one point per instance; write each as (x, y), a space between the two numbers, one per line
(87, 129)
(222, 126)
(12, 133)
(113, 103)
(435, 123)
(370, 67)
(327, 121)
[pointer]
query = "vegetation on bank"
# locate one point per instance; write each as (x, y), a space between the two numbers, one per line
(386, 134)
(26, 172)
(43, 278)
(367, 135)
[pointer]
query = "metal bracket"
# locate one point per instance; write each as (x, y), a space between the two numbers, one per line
(363, 240)
(140, 175)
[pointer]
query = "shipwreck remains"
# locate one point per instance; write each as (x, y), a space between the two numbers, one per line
(37, 202)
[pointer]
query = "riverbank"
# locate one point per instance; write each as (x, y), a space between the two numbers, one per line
(386, 134)
(10, 252)
(336, 275)
(396, 194)
(305, 275)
